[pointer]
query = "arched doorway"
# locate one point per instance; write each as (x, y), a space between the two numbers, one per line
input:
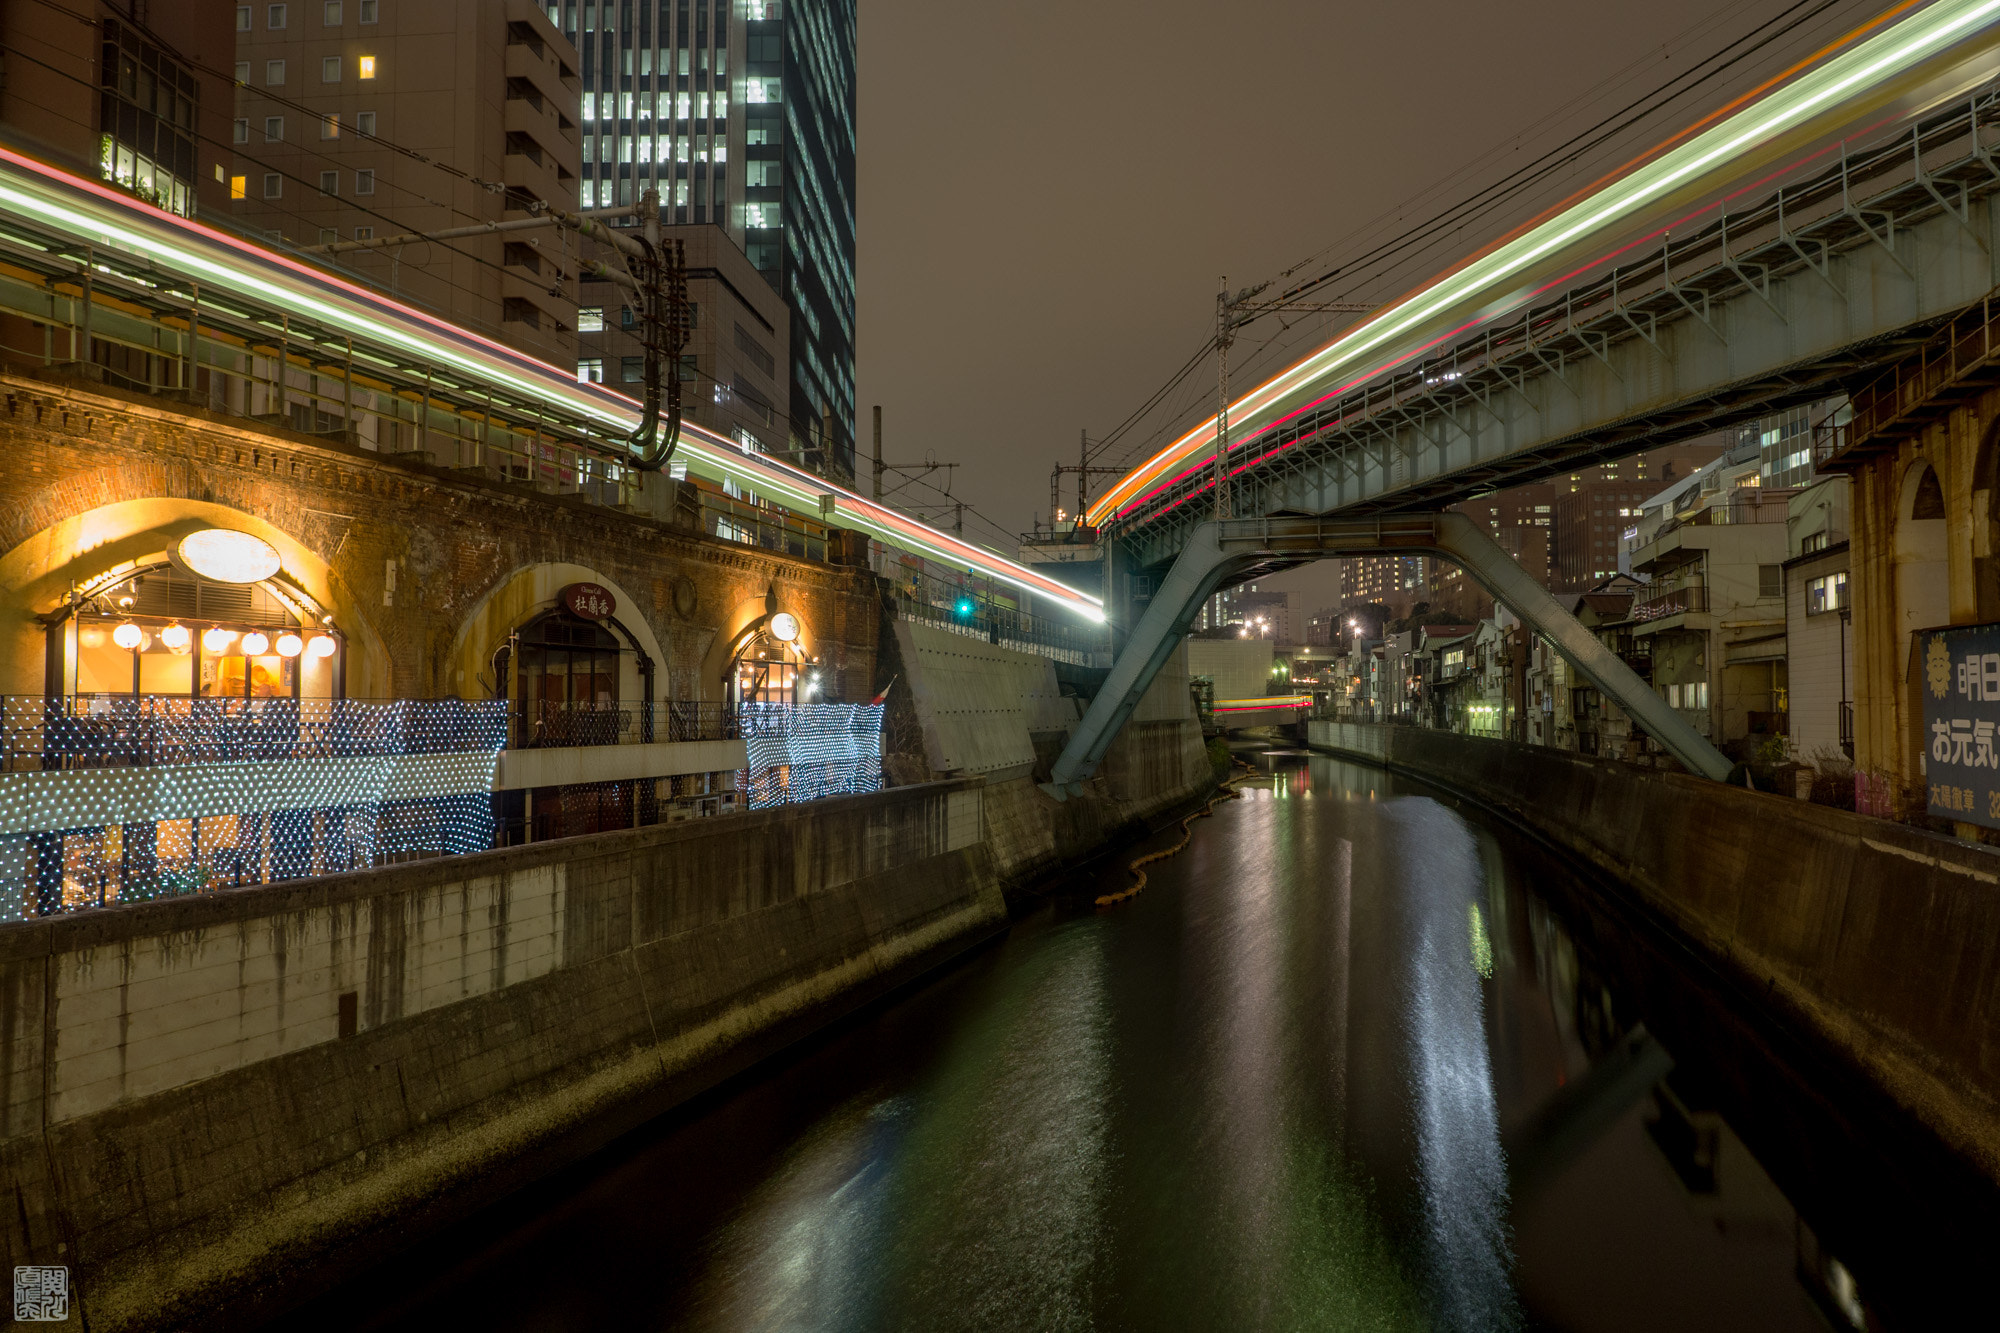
(568, 682)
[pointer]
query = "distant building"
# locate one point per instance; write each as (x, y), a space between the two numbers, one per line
(487, 93)
(1819, 639)
(138, 96)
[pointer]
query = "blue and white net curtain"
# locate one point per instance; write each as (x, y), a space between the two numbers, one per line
(121, 798)
(801, 752)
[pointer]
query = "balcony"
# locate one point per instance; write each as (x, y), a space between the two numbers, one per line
(1657, 604)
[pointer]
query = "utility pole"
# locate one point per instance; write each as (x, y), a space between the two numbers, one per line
(878, 451)
(1231, 313)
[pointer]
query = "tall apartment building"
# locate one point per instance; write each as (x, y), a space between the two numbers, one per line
(741, 117)
(1594, 507)
(1395, 581)
(362, 119)
(799, 201)
(137, 95)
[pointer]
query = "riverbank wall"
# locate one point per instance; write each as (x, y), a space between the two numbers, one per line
(971, 707)
(1878, 942)
(211, 1103)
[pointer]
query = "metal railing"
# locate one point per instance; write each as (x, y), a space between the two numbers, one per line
(1657, 604)
(1907, 394)
(562, 725)
(766, 527)
(1018, 630)
(149, 730)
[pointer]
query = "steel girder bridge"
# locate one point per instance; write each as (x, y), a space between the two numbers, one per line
(1770, 257)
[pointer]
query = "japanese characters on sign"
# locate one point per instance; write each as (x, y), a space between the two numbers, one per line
(589, 601)
(1959, 673)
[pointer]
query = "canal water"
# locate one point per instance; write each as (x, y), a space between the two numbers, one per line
(1354, 1059)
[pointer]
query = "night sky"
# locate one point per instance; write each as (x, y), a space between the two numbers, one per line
(1049, 191)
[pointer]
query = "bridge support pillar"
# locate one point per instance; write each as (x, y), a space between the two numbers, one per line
(1218, 551)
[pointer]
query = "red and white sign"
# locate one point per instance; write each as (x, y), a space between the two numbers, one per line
(589, 601)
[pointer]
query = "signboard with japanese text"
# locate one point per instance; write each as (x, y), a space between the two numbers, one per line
(589, 601)
(1959, 678)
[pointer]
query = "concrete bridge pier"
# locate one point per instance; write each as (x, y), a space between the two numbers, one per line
(1223, 552)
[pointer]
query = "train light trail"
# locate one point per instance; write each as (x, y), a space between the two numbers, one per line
(85, 212)
(1934, 53)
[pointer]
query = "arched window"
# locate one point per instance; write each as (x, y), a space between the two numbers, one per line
(568, 692)
(766, 671)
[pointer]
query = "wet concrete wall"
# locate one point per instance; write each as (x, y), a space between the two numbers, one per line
(1877, 942)
(206, 1098)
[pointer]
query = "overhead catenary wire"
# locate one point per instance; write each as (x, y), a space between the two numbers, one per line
(1383, 259)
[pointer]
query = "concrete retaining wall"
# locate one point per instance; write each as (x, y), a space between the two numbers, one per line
(202, 1096)
(1878, 939)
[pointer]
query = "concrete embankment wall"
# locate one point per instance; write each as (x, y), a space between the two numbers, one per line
(1881, 941)
(207, 1097)
(974, 707)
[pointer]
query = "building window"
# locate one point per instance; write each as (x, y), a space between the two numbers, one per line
(364, 233)
(274, 185)
(364, 122)
(242, 134)
(328, 235)
(370, 10)
(329, 127)
(243, 72)
(364, 181)
(1770, 580)
(274, 72)
(274, 129)
(330, 13)
(1826, 593)
(631, 369)
(239, 186)
(243, 18)
(590, 319)
(368, 67)
(149, 107)
(329, 182)
(1812, 541)
(590, 370)
(625, 317)
(329, 69)
(274, 17)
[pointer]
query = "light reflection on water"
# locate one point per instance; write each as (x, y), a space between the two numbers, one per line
(1270, 1092)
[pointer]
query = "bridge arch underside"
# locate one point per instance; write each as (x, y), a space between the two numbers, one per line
(1754, 310)
(1217, 554)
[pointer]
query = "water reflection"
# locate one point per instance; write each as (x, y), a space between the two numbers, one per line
(1341, 1065)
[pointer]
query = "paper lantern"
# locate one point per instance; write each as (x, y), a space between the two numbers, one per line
(177, 637)
(322, 645)
(255, 644)
(128, 635)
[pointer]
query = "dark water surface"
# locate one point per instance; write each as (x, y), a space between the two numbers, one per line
(1352, 1060)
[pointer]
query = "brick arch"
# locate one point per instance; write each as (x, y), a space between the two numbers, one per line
(93, 524)
(517, 597)
(736, 623)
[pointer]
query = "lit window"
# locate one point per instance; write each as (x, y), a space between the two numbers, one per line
(274, 16)
(590, 370)
(364, 122)
(274, 129)
(590, 319)
(330, 13)
(329, 182)
(329, 127)
(274, 72)
(364, 181)
(1826, 593)
(589, 108)
(274, 185)
(329, 70)
(370, 10)
(243, 18)
(242, 131)
(368, 67)
(238, 186)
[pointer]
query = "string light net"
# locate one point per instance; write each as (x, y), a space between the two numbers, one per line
(802, 752)
(123, 798)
